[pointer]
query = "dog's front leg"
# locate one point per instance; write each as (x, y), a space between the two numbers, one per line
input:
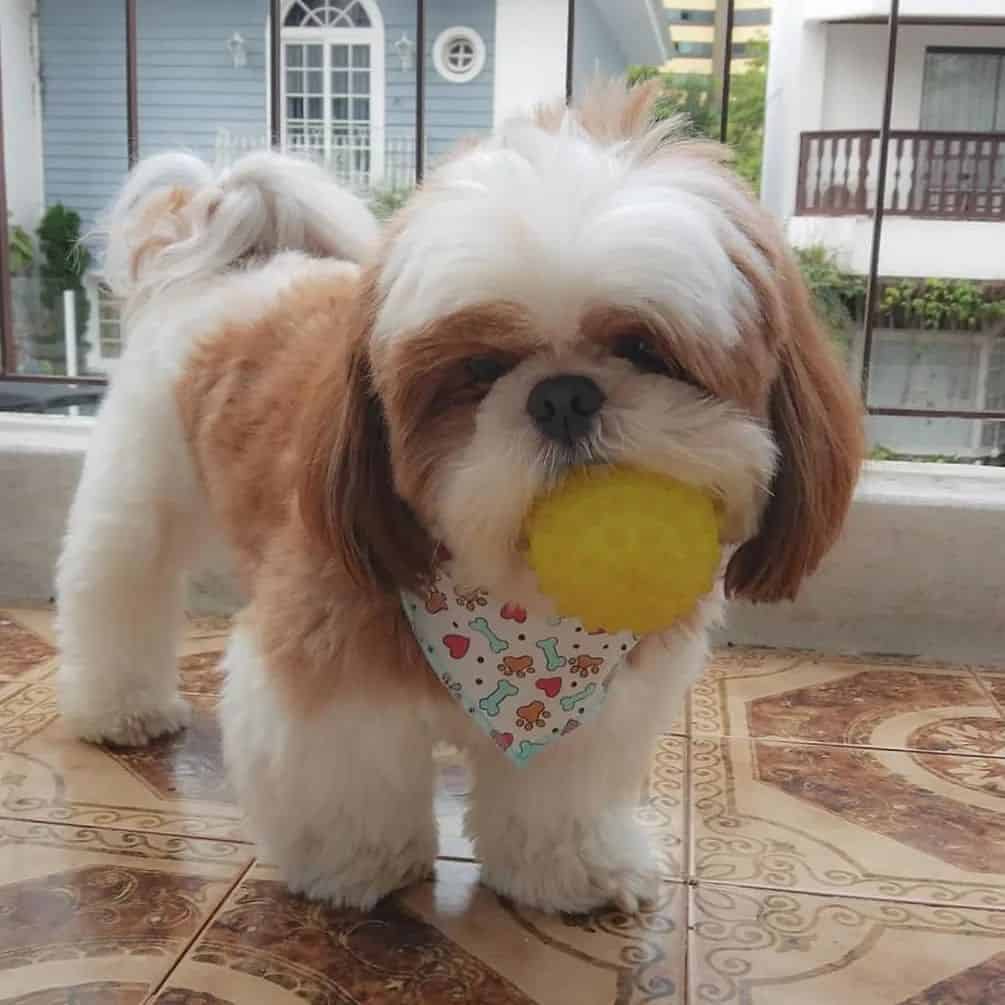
(560, 833)
(338, 795)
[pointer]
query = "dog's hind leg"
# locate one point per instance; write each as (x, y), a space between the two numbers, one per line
(133, 528)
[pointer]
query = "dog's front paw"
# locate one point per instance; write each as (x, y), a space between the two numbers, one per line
(128, 725)
(365, 877)
(611, 863)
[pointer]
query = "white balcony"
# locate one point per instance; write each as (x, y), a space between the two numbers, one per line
(953, 10)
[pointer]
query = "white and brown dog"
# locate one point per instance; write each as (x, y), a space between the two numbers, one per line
(339, 404)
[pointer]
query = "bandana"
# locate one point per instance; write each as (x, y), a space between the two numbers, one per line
(527, 681)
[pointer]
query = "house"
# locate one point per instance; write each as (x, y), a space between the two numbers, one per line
(945, 189)
(695, 25)
(348, 86)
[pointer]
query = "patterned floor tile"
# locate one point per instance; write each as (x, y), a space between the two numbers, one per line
(761, 947)
(845, 700)
(201, 673)
(911, 825)
(23, 647)
(95, 916)
(448, 940)
(661, 810)
(176, 785)
(994, 684)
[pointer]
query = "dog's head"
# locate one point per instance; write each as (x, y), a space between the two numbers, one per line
(586, 287)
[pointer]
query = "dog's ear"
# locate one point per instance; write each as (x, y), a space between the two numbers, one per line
(816, 419)
(346, 493)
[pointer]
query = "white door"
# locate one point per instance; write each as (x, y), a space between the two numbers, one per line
(333, 86)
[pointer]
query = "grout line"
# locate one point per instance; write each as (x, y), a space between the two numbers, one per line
(127, 830)
(982, 684)
(805, 742)
(822, 895)
(210, 918)
(686, 844)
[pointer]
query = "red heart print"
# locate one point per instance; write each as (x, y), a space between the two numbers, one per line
(504, 740)
(514, 612)
(457, 645)
(549, 685)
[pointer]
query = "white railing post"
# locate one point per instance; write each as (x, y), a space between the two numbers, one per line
(70, 333)
(70, 339)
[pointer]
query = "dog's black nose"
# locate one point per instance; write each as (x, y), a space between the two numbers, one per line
(563, 407)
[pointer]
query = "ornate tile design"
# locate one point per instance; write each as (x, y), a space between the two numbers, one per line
(839, 700)
(174, 786)
(763, 947)
(436, 943)
(93, 915)
(201, 673)
(841, 820)
(839, 825)
(21, 649)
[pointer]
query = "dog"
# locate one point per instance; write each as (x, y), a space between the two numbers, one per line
(348, 408)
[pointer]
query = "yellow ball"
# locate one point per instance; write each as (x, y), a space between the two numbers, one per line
(622, 549)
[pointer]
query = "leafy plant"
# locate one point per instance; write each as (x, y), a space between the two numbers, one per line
(64, 264)
(386, 202)
(22, 251)
(941, 303)
(695, 95)
(838, 294)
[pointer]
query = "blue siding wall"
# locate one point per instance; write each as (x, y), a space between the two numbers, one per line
(84, 102)
(452, 110)
(189, 89)
(597, 51)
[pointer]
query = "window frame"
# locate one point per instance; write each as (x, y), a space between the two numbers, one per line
(966, 50)
(373, 37)
(440, 51)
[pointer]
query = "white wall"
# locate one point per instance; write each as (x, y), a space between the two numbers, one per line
(919, 569)
(951, 249)
(530, 55)
(21, 112)
(835, 10)
(794, 99)
(856, 70)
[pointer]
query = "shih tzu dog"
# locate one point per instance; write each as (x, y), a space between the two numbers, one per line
(365, 418)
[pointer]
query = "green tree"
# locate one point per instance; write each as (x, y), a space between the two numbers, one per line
(64, 263)
(696, 96)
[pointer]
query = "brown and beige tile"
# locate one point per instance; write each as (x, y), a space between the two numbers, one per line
(765, 947)
(899, 824)
(176, 785)
(201, 673)
(993, 683)
(445, 941)
(844, 700)
(26, 644)
(95, 915)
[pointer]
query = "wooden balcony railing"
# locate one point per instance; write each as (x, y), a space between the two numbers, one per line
(935, 175)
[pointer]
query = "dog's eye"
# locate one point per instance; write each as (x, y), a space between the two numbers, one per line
(638, 350)
(486, 369)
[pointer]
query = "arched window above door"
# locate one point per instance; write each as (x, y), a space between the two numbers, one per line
(333, 86)
(327, 14)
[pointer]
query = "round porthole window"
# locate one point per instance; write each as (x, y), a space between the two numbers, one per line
(459, 54)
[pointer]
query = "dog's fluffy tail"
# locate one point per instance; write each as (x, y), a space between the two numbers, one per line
(176, 221)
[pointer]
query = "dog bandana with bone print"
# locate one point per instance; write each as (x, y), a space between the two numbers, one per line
(527, 681)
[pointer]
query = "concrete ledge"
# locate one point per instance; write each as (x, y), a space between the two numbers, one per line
(920, 569)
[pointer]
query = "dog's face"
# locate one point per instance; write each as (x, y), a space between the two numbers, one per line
(569, 296)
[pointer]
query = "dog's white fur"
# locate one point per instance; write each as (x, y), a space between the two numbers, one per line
(556, 222)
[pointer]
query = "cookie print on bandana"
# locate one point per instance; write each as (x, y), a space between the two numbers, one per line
(527, 681)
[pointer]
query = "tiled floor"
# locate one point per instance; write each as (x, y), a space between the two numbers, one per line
(831, 831)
